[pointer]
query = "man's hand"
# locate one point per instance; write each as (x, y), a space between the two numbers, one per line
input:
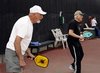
(81, 38)
(29, 54)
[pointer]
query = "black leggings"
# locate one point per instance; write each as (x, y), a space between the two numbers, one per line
(77, 53)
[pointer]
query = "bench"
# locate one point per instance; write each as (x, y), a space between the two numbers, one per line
(42, 44)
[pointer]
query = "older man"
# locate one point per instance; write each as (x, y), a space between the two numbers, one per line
(74, 43)
(20, 38)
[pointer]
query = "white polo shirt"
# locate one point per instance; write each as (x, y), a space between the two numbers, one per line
(23, 28)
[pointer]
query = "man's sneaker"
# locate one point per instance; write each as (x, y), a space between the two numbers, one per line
(71, 68)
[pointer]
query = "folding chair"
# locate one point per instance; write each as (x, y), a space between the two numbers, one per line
(59, 37)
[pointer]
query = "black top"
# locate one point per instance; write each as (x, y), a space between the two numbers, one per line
(74, 25)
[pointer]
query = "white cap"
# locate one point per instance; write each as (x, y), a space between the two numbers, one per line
(78, 12)
(37, 9)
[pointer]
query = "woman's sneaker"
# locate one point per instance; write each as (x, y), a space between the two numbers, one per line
(71, 68)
